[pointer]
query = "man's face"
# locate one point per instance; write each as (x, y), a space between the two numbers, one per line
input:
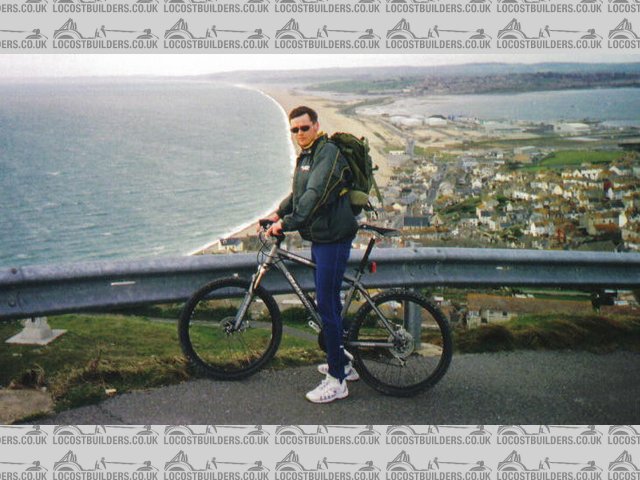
(298, 127)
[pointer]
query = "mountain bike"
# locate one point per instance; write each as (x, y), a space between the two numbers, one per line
(400, 341)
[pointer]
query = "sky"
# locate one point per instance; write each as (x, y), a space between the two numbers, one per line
(49, 65)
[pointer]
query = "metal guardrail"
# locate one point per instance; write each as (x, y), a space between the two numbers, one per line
(44, 290)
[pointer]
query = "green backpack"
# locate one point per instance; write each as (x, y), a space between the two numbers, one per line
(356, 152)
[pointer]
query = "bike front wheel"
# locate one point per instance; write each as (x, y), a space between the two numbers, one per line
(403, 345)
(210, 340)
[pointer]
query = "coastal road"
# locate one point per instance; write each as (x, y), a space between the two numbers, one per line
(435, 184)
(500, 388)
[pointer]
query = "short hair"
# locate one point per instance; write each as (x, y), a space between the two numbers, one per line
(302, 110)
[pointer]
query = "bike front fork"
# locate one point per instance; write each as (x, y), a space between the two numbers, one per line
(248, 298)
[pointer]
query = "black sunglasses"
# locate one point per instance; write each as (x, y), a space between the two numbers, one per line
(304, 128)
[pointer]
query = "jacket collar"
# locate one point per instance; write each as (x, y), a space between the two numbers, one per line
(321, 139)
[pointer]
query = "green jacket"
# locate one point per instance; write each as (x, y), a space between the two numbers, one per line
(316, 206)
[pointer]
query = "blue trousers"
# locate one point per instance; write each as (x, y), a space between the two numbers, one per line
(331, 263)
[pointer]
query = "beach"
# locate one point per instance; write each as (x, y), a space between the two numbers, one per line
(331, 121)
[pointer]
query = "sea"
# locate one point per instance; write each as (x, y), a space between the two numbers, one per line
(615, 107)
(100, 169)
(116, 169)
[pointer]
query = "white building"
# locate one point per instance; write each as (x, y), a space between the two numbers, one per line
(404, 121)
(437, 121)
(572, 128)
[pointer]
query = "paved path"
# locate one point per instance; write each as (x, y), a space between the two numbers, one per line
(504, 388)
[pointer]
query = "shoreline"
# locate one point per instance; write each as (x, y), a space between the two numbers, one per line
(248, 228)
(331, 120)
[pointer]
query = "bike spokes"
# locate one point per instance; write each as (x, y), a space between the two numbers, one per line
(413, 356)
(222, 343)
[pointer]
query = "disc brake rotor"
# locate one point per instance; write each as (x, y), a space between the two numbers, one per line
(403, 344)
(227, 325)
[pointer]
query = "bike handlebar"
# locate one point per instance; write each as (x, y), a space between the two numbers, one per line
(265, 223)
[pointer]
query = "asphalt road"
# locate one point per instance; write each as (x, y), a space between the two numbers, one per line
(504, 388)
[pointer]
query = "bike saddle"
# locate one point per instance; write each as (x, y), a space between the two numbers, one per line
(386, 232)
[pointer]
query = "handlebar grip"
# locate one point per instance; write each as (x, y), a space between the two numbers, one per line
(265, 223)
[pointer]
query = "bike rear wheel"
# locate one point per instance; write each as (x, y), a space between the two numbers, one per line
(415, 358)
(210, 342)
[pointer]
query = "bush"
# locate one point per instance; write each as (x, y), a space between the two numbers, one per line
(553, 332)
(295, 315)
(487, 338)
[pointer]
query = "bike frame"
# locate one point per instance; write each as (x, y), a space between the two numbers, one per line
(274, 259)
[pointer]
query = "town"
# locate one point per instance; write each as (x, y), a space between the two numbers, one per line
(465, 182)
(572, 186)
(524, 196)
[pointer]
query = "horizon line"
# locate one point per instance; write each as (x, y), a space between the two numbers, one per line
(301, 70)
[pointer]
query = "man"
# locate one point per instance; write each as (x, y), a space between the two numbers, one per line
(318, 208)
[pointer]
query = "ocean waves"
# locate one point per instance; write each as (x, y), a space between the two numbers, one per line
(110, 176)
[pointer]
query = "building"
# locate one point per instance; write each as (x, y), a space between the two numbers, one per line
(437, 121)
(484, 309)
(228, 245)
(631, 236)
(573, 128)
(412, 223)
(404, 121)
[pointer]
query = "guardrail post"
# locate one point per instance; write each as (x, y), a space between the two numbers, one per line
(36, 331)
(413, 321)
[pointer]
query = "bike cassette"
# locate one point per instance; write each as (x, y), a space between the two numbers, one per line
(403, 344)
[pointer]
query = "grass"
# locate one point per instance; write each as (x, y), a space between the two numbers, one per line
(542, 141)
(168, 311)
(569, 297)
(294, 316)
(593, 333)
(112, 351)
(96, 353)
(574, 158)
(554, 293)
(364, 86)
(128, 353)
(391, 148)
(466, 206)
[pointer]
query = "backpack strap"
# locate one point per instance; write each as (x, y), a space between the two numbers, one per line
(318, 143)
(325, 198)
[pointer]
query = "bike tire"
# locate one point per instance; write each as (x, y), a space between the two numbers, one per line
(425, 363)
(212, 349)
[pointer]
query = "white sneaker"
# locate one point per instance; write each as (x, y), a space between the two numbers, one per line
(330, 389)
(349, 372)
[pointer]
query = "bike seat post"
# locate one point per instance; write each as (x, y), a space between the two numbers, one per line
(365, 257)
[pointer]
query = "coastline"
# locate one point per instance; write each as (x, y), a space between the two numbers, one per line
(248, 228)
(331, 120)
